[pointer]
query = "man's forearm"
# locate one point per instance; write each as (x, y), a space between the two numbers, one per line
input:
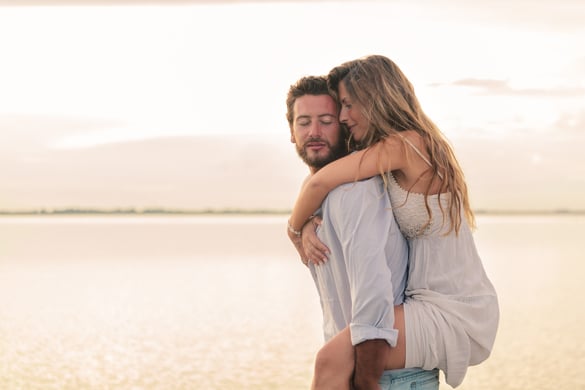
(370, 361)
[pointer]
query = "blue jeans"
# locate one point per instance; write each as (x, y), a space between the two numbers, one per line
(410, 379)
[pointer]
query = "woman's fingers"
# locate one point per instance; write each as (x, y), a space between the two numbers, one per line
(316, 251)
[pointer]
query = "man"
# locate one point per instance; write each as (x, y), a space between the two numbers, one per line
(367, 268)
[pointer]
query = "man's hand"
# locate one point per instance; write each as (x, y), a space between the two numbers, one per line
(370, 361)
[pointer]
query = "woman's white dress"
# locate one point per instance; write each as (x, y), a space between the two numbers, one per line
(451, 307)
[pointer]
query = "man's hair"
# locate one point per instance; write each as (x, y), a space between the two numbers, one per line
(309, 85)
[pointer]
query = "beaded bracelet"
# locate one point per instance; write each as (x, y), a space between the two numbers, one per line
(293, 231)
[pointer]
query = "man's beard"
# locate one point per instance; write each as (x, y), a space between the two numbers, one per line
(334, 152)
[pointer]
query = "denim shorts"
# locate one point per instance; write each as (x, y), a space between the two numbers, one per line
(410, 379)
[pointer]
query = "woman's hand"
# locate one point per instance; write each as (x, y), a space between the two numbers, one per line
(315, 251)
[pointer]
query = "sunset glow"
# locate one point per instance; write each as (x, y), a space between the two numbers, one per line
(101, 79)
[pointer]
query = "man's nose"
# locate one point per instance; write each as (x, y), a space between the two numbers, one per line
(315, 130)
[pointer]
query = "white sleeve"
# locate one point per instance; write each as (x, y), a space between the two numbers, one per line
(362, 223)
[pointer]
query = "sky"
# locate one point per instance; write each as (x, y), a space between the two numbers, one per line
(181, 104)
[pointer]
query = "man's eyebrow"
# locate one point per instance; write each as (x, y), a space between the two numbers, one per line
(318, 116)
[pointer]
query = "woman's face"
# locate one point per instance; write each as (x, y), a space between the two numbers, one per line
(351, 114)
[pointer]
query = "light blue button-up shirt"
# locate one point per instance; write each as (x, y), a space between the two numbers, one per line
(367, 268)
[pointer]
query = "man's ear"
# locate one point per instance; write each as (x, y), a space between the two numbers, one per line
(292, 137)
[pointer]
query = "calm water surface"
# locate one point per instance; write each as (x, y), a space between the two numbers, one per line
(223, 302)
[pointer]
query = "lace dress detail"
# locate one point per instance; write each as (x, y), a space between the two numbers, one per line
(410, 210)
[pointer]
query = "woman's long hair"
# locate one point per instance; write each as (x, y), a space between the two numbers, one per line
(390, 106)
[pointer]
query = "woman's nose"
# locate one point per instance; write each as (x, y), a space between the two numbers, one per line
(343, 115)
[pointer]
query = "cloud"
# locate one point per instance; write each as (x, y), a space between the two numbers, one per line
(195, 172)
(524, 172)
(32, 133)
(503, 88)
(517, 172)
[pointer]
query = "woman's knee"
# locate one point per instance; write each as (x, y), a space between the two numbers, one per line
(327, 360)
(334, 363)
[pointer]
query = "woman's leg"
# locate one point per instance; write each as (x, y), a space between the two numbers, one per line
(397, 356)
(334, 363)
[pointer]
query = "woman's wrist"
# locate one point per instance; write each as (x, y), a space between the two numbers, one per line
(298, 233)
(292, 230)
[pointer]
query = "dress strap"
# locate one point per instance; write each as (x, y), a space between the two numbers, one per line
(419, 153)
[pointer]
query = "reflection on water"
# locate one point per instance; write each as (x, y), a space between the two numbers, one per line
(536, 263)
(215, 303)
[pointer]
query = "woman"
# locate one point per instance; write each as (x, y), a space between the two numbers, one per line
(450, 316)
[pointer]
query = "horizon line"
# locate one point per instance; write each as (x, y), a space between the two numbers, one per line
(225, 211)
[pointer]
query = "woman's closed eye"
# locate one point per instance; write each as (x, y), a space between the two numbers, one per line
(346, 103)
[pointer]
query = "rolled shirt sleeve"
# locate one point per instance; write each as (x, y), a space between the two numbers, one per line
(361, 216)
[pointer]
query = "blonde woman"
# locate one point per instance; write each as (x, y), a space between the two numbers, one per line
(450, 316)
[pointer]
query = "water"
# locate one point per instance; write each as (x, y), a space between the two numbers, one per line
(223, 302)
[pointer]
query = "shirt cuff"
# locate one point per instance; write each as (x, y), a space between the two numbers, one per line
(360, 333)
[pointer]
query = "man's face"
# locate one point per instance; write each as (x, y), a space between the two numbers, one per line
(316, 131)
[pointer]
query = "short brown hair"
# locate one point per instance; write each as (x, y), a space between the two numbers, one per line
(309, 85)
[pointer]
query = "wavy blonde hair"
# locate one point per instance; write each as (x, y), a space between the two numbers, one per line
(390, 106)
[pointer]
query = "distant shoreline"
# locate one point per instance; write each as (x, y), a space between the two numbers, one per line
(182, 212)
(132, 211)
